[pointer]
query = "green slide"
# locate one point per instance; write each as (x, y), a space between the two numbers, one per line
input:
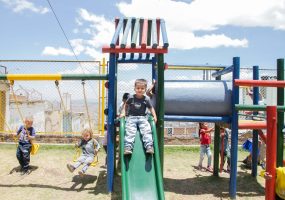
(141, 172)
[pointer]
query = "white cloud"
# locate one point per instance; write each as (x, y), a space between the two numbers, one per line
(183, 19)
(21, 5)
(51, 51)
(97, 28)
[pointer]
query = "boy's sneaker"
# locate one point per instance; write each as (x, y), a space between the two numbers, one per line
(128, 151)
(149, 149)
(81, 174)
(26, 172)
(70, 167)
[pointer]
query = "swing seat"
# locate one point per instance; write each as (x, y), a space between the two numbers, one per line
(77, 154)
(35, 148)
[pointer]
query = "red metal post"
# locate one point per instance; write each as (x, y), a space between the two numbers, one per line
(116, 24)
(158, 30)
(271, 151)
(257, 83)
(144, 33)
(137, 49)
(250, 125)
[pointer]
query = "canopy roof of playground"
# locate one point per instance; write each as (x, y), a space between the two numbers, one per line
(144, 37)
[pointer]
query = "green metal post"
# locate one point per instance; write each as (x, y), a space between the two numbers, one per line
(280, 115)
(216, 149)
(160, 114)
(216, 145)
(125, 191)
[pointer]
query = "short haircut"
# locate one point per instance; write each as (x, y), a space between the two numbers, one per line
(141, 81)
(29, 118)
(126, 96)
(87, 130)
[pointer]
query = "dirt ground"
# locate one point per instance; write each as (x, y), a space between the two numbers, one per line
(50, 178)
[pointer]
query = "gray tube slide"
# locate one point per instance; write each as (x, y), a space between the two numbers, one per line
(198, 98)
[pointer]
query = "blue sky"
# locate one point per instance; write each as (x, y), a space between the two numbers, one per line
(199, 32)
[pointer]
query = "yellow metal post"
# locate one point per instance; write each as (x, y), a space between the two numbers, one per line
(104, 64)
(2, 108)
(99, 102)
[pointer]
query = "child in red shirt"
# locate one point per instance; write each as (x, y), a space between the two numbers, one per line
(205, 141)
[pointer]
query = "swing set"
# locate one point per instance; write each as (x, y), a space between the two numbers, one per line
(56, 77)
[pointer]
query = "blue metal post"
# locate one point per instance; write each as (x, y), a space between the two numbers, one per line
(111, 127)
(234, 135)
(153, 71)
(255, 132)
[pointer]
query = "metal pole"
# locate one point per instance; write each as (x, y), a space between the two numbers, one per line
(280, 122)
(271, 152)
(234, 135)
(160, 120)
(255, 132)
(111, 127)
(217, 145)
(103, 95)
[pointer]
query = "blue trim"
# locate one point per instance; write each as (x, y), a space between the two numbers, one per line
(223, 72)
(164, 34)
(255, 132)
(234, 135)
(143, 61)
(116, 34)
(111, 127)
(197, 118)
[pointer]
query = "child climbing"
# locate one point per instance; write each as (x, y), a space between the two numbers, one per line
(225, 147)
(205, 141)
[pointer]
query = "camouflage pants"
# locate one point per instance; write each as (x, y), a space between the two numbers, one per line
(141, 122)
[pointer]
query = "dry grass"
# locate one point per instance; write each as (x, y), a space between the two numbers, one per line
(50, 178)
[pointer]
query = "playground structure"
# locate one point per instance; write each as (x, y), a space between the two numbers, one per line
(176, 93)
(149, 43)
(222, 107)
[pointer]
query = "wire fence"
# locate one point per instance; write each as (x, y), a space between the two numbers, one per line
(64, 111)
(55, 110)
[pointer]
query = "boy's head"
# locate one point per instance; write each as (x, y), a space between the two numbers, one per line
(29, 121)
(125, 96)
(87, 134)
(140, 87)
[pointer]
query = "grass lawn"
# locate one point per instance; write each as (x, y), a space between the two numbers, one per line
(50, 178)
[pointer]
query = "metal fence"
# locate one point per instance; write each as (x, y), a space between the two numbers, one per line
(54, 110)
(64, 112)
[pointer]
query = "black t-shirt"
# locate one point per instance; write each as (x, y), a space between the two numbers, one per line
(136, 106)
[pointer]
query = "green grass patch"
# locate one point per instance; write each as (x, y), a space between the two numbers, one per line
(42, 147)
(176, 149)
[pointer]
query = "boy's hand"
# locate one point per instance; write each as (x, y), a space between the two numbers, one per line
(155, 119)
(121, 115)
